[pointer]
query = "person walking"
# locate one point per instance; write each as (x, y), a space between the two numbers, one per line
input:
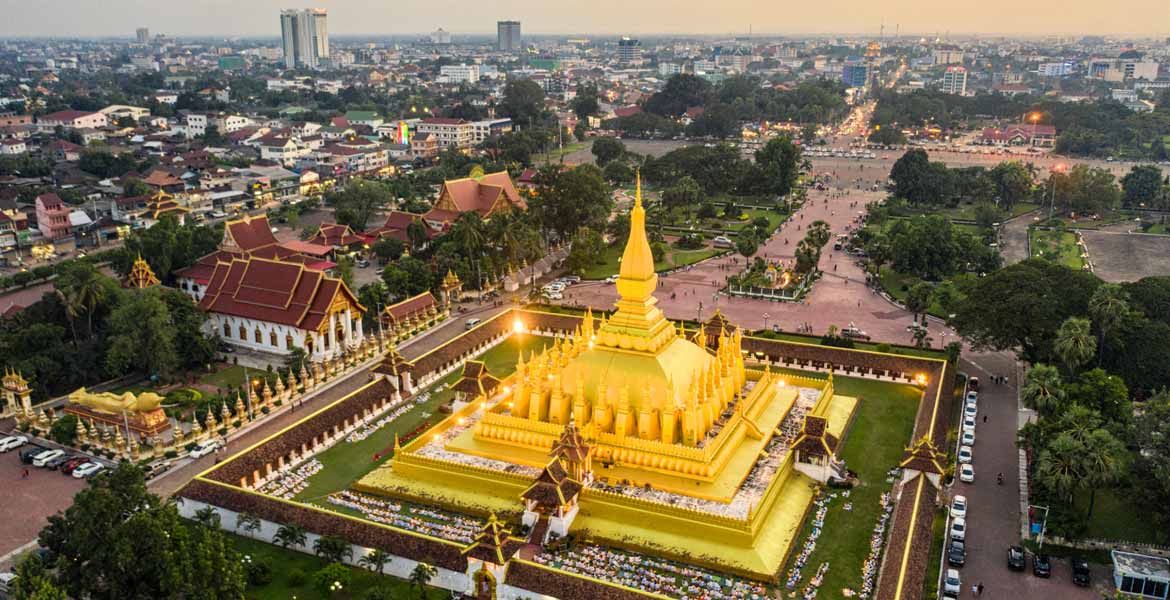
(24, 473)
(980, 589)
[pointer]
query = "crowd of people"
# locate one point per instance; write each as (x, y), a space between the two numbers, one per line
(869, 569)
(288, 484)
(810, 545)
(652, 574)
(372, 427)
(427, 521)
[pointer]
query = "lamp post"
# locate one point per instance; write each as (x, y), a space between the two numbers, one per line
(766, 315)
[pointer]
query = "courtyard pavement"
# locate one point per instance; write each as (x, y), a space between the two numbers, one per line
(28, 503)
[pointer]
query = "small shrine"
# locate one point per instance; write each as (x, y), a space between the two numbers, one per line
(141, 276)
(17, 395)
(142, 413)
(923, 457)
(474, 382)
(815, 450)
(451, 288)
(486, 556)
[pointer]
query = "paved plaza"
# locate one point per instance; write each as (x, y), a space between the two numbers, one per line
(28, 503)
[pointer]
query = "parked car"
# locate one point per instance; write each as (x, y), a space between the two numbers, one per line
(721, 241)
(553, 295)
(959, 507)
(967, 473)
(7, 582)
(471, 323)
(966, 455)
(204, 448)
(56, 463)
(87, 470)
(972, 396)
(611, 279)
(957, 554)
(68, 466)
(1041, 566)
(1015, 558)
(968, 438)
(363, 263)
(43, 458)
(968, 423)
(1081, 574)
(952, 585)
(959, 529)
(973, 384)
(970, 411)
(29, 454)
(571, 279)
(12, 442)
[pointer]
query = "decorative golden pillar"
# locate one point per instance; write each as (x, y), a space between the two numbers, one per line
(266, 394)
(241, 411)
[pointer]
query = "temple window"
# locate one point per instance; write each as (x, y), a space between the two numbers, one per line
(288, 342)
(243, 333)
(227, 330)
(272, 339)
(256, 336)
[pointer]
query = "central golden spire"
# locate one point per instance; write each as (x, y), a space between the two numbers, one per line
(637, 324)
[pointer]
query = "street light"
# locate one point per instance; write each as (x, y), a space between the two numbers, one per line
(766, 315)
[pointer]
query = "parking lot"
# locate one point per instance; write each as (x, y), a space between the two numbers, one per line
(29, 502)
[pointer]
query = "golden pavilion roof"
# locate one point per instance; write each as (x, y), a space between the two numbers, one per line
(141, 275)
(494, 544)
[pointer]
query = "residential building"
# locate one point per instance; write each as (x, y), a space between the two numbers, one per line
(948, 55)
(508, 36)
(440, 36)
(282, 149)
(115, 112)
(629, 52)
(73, 119)
(954, 81)
(482, 130)
(1055, 69)
(666, 69)
(459, 74)
(1117, 70)
(142, 34)
(13, 147)
(448, 133)
(368, 118)
(53, 217)
(424, 145)
(304, 36)
(14, 230)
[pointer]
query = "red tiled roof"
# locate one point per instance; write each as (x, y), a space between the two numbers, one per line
(410, 306)
(333, 234)
(273, 291)
(251, 233)
(627, 111)
(50, 201)
(308, 248)
(479, 194)
(66, 115)
(443, 121)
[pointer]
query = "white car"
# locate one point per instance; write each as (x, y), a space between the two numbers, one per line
(554, 295)
(970, 411)
(959, 529)
(967, 473)
(972, 396)
(969, 424)
(972, 402)
(12, 442)
(555, 286)
(968, 438)
(45, 457)
(966, 455)
(952, 585)
(959, 507)
(611, 279)
(204, 448)
(89, 469)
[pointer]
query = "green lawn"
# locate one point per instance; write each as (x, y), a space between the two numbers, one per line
(233, 376)
(882, 426)
(938, 538)
(347, 462)
(1058, 246)
(1115, 518)
(966, 211)
(285, 562)
(674, 258)
(898, 284)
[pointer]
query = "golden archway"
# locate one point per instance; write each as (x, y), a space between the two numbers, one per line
(485, 584)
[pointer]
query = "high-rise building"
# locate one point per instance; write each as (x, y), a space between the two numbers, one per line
(629, 52)
(508, 36)
(440, 36)
(955, 81)
(855, 73)
(304, 36)
(143, 35)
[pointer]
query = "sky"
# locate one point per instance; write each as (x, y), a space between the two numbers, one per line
(230, 18)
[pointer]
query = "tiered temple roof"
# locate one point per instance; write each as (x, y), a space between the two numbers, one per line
(815, 439)
(494, 544)
(141, 276)
(924, 457)
(274, 291)
(475, 380)
(249, 237)
(553, 488)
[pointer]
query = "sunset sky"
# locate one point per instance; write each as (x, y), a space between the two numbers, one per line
(920, 17)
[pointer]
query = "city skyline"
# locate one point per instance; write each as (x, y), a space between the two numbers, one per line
(604, 17)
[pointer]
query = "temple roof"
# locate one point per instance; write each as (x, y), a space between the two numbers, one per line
(274, 291)
(924, 457)
(554, 487)
(411, 306)
(814, 438)
(494, 544)
(141, 276)
(484, 194)
(572, 446)
(475, 380)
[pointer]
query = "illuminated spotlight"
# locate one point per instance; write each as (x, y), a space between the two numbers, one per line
(518, 326)
(459, 420)
(920, 379)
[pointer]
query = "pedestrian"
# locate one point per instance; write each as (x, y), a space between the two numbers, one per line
(980, 587)
(984, 418)
(24, 473)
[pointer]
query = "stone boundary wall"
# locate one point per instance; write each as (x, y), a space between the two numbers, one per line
(566, 586)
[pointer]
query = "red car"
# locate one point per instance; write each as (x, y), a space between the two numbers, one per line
(68, 466)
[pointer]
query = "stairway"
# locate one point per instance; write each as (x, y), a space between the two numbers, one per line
(539, 531)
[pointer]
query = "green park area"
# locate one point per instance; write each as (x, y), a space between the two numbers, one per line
(346, 462)
(881, 429)
(292, 576)
(1056, 245)
(969, 211)
(674, 258)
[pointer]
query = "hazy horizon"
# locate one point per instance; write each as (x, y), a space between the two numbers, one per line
(260, 18)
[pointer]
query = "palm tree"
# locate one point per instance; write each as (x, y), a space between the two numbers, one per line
(332, 549)
(375, 561)
(1061, 467)
(1075, 343)
(1104, 460)
(1109, 305)
(290, 535)
(73, 310)
(1043, 389)
(468, 233)
(421, 576)
(90, 292)
(207, 517)
(248, 522)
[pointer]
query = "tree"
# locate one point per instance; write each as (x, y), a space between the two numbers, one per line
(207, 517)
(588, 248)
(567, 199)
(681, 92)
(606, 149)
(388, 249)
(247, 522)
(778, 163)
(910, 175)
(746, 245)
(332, 578)
(290, 535)
(1109, 307)
(118, 540)
(683, 194)
(1151, 467)
(133, 186)
(141, 335)
(1043, 390)
(523, 101)
(918, 299)
(1075, 344)
(408, 276)
(33, 581)
(332, 549)
(357, 201)
(585, 103)
(618, 172)
(1104, 394)
(1104, 463)
(421, 576)
(375, 560)
(1141, 186)
(1012, 182)
(1085, 189)
(1061, 467)
(1022, 306)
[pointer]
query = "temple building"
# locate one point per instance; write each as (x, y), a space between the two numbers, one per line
(248, 237)
(486, 195)
(273, 306)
